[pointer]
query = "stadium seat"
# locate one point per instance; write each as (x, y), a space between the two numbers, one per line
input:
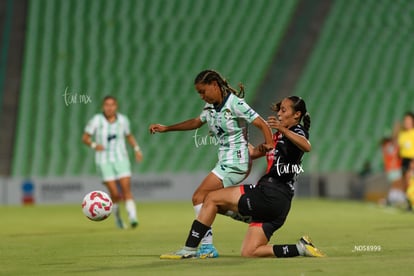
(146, 53)
(357, 82)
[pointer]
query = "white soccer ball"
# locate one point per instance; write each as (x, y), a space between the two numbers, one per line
(97, 205)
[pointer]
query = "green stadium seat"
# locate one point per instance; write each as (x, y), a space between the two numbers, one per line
(146, 53)
(356, 83)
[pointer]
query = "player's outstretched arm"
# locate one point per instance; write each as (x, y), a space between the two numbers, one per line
(186, 125)
(255, 152)
(261, 124)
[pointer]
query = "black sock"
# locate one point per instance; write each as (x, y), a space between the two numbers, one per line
(284, 251)
(197, 232)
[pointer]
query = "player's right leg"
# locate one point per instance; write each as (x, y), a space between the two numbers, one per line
(233, 176)
(113, 190)
(211, 183)
(109, 178)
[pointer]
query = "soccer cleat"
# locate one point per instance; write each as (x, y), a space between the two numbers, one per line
(306, 247)
(207, 251)
(134, 223)
(183, 253)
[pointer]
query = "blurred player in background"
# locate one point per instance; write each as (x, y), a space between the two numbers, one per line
(227, 116)
(268, 202)
(392, 168)
(109, 130)
(405, 138)
(410, 188)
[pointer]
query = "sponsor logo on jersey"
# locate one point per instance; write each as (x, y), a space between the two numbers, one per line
(111, 137)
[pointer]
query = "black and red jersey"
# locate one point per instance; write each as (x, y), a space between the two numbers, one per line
(287, 157)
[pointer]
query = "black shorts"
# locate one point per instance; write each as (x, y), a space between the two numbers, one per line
(268, 203)
(405, 165)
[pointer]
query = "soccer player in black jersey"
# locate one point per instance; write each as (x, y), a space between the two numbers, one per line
(268, 202)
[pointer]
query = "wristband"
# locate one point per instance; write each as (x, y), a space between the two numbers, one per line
(137, 148)
(93, 145)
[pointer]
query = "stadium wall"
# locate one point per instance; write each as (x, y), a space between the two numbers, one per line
(158, 187)
(67, 190)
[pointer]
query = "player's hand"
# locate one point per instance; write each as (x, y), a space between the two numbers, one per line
(265, 147)
(157, 128)
(99, 147)
(138, 156)
(273, 122)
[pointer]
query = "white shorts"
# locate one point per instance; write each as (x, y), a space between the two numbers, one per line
(231, 174)
(114, 170)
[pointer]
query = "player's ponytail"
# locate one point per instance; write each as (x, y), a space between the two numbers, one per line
(208, 76)
(307, 121)
(300, 105)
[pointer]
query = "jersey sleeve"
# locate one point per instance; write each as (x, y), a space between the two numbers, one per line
(243, 110)
(92, 125)
(204, 113)
(298, 129)
(127, 126)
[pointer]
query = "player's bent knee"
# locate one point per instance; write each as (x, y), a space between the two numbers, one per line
(248, 253)
(200, 196)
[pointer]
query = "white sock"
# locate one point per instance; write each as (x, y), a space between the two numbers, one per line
(208, 237)
(131, 209)
(197, 208)
(301, 250)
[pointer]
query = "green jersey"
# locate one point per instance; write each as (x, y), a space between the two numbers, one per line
(111, 136)
(228, 123)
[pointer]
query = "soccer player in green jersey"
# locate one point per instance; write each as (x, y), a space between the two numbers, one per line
(109, 130)
(268, 202)
(227, 116)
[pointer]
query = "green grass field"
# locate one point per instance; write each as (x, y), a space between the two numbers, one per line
(59, 240)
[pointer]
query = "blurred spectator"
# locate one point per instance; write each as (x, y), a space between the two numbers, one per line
(392, 168)
(410, 189)
(405, 138)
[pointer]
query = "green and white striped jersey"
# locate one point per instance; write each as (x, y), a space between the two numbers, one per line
(111, 136)
(228, 123)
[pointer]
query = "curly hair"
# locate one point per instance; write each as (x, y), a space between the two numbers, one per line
(208, 76)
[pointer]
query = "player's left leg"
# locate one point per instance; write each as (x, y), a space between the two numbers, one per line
(227, 198)
(255, 244)
(130, 206)
(123, 171)
(108, 173)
